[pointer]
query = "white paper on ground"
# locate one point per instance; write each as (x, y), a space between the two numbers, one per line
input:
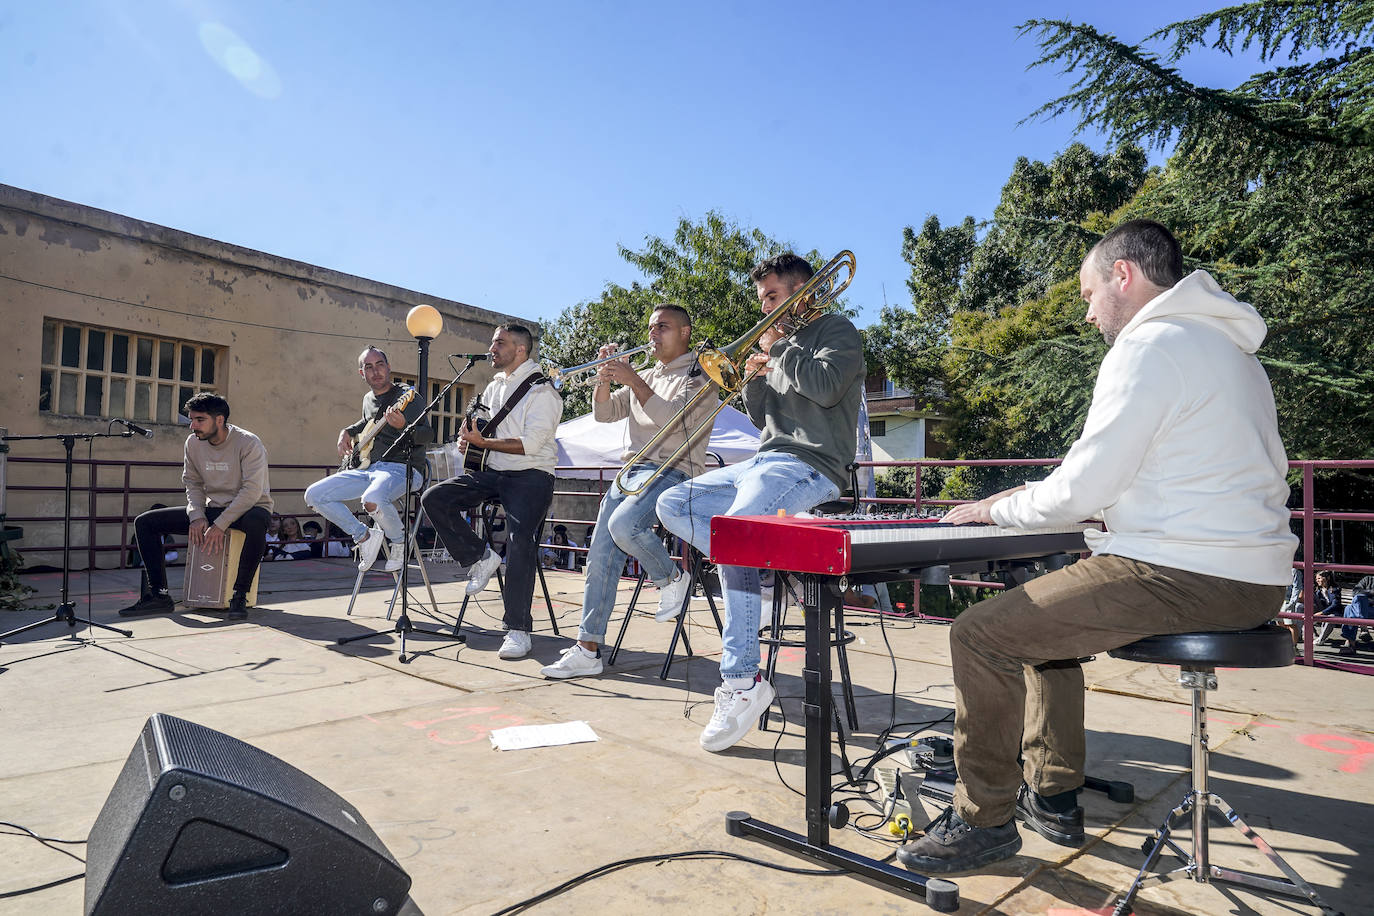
(521, 737)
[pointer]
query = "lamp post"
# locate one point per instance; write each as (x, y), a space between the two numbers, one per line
(424, 324)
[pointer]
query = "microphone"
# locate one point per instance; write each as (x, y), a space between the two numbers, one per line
(475, 357)
(136, 429)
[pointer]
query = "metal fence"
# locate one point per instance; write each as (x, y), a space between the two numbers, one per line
(117, 478)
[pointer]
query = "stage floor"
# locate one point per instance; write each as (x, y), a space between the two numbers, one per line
(479, 830)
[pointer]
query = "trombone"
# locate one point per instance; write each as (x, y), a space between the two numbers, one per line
(724, 365)
(558, 375)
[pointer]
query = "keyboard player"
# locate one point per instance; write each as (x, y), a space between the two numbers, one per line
(1180, 456)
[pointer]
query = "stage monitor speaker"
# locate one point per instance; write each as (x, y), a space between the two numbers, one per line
(199, 822)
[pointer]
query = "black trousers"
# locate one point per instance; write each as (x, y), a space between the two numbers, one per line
(525, 496)
(153, 524)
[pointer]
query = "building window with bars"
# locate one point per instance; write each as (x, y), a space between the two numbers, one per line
(100, 372)
(877, 428)
(447, 415)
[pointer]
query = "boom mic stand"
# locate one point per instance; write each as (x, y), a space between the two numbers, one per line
(403, 626)
(66, 611)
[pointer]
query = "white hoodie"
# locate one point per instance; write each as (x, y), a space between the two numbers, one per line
(1180, 455)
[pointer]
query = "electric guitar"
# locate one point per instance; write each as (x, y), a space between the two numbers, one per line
(361, 456)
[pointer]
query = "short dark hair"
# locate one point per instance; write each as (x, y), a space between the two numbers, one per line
(312, 524)
(522, 336)
(787, 266)
(673, 307)
(205, 402)
(372, 347)
(1146, 243)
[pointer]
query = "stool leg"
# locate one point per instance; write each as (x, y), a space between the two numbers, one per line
(678, 627)
(774, 632)
(625, 622)
(548, 602)
(1200, 763)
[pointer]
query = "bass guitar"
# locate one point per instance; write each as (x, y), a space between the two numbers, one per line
(361, 456)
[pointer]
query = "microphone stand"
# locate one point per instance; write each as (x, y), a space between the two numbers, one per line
(66, 611)
(404, 626)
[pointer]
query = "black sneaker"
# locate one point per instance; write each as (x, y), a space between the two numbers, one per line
(950, 845)
(156, 603)
(1347, 650)
(238, 608)
(1065, 829)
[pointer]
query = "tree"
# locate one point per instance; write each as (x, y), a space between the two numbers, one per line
(704, 267)
(1270, 185)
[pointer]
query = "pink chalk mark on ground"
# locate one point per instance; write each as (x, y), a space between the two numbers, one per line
(1358, 751)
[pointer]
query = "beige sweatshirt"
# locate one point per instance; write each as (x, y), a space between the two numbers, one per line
(232, 475)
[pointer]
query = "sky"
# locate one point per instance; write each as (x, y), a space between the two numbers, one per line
(498, 154)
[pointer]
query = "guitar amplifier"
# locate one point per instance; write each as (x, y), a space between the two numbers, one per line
(210, 577)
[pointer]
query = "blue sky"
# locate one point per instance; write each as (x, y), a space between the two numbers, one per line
(497, 153)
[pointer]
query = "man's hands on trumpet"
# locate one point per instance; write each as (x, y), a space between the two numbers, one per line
(616, 371)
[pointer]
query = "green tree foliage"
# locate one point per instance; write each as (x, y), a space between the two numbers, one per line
(1270, 186)
(704, 267)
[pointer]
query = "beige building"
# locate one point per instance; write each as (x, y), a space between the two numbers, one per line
(106, 316)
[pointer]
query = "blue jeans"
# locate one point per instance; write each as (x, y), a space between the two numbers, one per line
(624, 525)
(379, 483)
(1359, 606)
(757, 486)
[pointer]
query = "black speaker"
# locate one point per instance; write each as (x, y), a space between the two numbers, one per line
(199, 822)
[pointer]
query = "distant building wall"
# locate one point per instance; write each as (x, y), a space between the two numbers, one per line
(107, 316)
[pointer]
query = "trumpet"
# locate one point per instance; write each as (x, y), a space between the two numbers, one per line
(557, 376)
(724, 365)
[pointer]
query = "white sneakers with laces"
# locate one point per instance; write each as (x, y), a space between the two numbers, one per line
(575, 662)
(515, 645)
(735, 713)
(671, 596)
(370, 548)
(395, 556)
(482, 571)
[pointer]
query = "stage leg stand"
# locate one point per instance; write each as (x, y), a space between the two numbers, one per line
(821, 594)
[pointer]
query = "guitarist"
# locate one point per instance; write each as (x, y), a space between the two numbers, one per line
(377, 482)
(521, 454)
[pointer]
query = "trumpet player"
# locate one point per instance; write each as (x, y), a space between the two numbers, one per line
(805, 398)
(625, 524)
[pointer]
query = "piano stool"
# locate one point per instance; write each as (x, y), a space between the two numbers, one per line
(698, 569)
(1198, 655)
(775, 640)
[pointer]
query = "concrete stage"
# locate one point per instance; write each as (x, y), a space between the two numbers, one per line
(479, 830)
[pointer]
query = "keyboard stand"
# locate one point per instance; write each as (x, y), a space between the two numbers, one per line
(821, 596)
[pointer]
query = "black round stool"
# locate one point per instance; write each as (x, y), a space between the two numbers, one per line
(1198, 655)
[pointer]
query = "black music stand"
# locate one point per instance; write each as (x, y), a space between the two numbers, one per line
(404, 626)
(66, 611)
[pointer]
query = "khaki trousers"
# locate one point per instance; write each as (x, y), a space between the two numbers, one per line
(1019, 689)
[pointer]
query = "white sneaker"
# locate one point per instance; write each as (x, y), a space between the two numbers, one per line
(482, 571)
(576, 662)
(671, 596)
(395, 556)
(515, 645)
(736, 712)
(370, 548)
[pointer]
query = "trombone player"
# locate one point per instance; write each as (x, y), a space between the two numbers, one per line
(805, 399)
(625, 524)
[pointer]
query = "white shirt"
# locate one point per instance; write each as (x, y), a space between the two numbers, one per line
(534, 421)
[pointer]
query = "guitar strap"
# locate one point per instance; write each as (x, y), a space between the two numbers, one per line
(517, 395)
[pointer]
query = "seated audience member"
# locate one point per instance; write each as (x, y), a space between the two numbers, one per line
(274, 549)
(292, 541)
(337, 545)
(1361, 606)
(313, 533)
(550, 558)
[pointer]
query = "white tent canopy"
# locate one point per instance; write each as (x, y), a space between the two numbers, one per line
(586, 443)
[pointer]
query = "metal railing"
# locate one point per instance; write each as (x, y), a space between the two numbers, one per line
(116, 478)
